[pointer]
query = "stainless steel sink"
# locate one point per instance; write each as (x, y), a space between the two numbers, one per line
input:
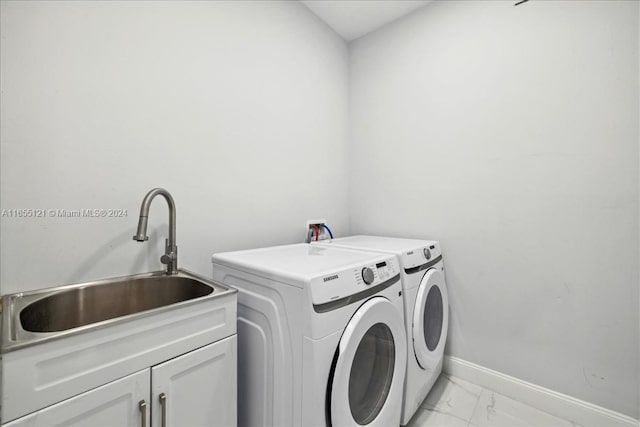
(91, 304)
(32, 317)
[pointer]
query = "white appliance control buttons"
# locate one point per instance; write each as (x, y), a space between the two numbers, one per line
(367, 275)
(427, 254)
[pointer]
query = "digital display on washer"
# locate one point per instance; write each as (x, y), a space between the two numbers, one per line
(383, 270)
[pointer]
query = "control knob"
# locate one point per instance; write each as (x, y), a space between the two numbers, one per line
(427, 253)
(367, 275)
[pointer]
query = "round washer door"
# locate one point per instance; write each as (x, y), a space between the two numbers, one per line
(369, 371)
(430, 319)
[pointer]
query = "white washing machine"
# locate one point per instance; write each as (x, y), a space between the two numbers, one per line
(426, 308)
(321, 338)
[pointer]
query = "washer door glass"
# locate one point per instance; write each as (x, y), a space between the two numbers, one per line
(371, 373)
(430, 319)
(365, 387)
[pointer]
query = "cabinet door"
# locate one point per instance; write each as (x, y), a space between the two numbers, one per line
(198, 388)
(114, 404)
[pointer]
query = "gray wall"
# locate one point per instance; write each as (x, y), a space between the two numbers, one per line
(511, 135)
(228, 105)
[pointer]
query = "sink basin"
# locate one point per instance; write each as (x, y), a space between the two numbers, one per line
(91, 304)
(46, 314)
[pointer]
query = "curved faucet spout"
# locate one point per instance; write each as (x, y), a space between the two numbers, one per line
(170, 258)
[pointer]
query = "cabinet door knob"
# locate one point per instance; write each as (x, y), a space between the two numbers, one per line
(143, 413)
(163, 403)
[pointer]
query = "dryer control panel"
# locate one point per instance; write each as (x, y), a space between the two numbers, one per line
(421, 255)
(348, 283)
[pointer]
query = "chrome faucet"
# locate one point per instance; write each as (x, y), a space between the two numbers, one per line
(170, 257)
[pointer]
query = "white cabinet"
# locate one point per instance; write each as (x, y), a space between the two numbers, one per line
(66, 364)
(195, 389)
(113, 404)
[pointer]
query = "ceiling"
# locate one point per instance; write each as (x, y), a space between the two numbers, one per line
(355, 18)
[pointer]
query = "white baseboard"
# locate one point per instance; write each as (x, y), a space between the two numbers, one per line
(558, 404)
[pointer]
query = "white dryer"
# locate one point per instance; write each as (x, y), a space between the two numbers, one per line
(426, 308)
(321, 338)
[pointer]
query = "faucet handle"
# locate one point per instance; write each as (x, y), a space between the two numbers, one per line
(167, 258)
(171, 253)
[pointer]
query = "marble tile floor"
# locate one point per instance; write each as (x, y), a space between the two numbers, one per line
(453, 402)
